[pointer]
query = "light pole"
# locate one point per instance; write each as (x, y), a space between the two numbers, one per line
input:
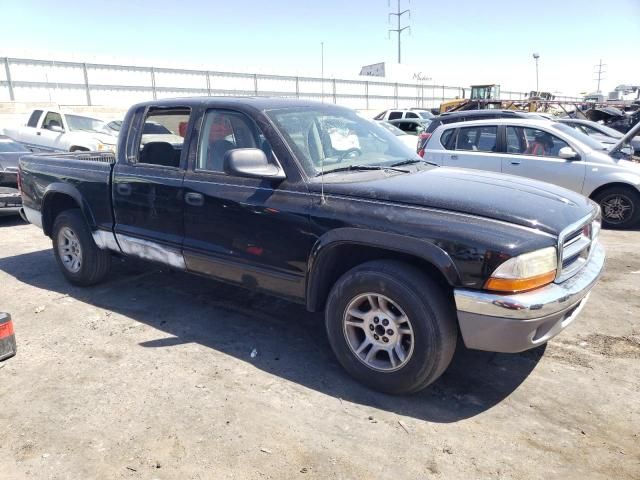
(536, 56)
(322, 69)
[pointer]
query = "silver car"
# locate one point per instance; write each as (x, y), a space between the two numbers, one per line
(544, 150)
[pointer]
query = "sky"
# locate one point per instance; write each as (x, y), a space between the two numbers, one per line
(455, 43)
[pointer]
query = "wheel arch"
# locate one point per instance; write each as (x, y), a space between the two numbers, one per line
(610, 185)
(340, 250)
(59, 197)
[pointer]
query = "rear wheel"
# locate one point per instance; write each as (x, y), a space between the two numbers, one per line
(620, 207)
(78, 256)
(391, 327)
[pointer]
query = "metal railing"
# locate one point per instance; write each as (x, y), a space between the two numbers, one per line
(81, 83)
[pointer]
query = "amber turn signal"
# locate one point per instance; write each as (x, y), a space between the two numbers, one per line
(514, 285)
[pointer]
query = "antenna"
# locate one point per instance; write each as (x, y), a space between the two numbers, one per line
(600, 73)
(398, 14)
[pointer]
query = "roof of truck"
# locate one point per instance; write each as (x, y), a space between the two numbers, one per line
(259, 103)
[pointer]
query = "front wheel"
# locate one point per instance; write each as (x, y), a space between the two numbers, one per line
(78, 256)
(620, 207)
(391, 327)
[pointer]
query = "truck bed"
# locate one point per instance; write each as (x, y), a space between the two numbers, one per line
(82, 175)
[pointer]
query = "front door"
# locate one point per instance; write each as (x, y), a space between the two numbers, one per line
(248, 231)
(147, 189)
(533, 153)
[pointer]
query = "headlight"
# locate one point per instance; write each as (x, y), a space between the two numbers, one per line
(106, 147)
(525, 272)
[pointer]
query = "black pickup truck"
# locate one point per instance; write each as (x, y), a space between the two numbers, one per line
(315, 204)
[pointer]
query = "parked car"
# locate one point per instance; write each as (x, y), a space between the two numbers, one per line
(411, 126)
(549, 151)
(55, 131)
(602, 133)
(614, 118)
(463, 116)
(399, 254)
(10, 152)
(151, 132)
(399, 114)
(404, 137)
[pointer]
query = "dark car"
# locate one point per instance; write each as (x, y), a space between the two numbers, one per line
(10, 152)
(463, 116)
(316, 204)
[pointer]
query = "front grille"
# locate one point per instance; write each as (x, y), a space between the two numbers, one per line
(574, 246)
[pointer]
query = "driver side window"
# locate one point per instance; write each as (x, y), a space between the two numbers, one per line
(223, 131)
(52, 119)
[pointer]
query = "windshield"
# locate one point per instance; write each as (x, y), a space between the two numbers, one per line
(578, 135)
(392, 128)
(607, 130)
(8, 145)
(76, 122)
(326, 138)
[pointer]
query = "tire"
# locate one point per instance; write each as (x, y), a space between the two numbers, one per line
(402, 291)
(71, 235)
(620, 207)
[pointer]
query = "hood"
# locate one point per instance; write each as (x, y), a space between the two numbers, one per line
(603, 113)
(507, 198)
(9, 160)
(104, 137)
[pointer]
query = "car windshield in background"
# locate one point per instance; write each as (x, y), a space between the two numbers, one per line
(426, 115)
(76, 122)
(578, 135)
(393, 129)
(609, 131)
(8, 145)
(153, 128)
(330, 138)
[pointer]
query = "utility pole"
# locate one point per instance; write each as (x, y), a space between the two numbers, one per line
(536, 56)
(398, 14)
(600, 73)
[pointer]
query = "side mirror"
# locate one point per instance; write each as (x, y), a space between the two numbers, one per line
(56, 128)
(252, 163)
(568, 153)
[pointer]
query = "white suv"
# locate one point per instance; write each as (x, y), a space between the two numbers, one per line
(544, 150)
(398, 114)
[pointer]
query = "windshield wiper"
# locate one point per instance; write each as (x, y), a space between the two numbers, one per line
(412, 161)
(361, 167)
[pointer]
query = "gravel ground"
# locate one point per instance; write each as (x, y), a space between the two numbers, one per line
(151, 375)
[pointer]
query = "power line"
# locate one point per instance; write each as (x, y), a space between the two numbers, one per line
(398, 14)
(600, 73)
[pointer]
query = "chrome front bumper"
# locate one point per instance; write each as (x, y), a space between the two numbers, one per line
(517, 322)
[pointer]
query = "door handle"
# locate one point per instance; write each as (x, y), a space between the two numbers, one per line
(38, 133)
(454, 157)
(515, 162)
(194, 199)
(123, 188)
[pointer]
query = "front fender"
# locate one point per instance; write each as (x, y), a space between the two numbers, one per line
(628, 177)
(321, 252)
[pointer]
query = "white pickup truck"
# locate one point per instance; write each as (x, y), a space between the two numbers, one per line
(54, 131)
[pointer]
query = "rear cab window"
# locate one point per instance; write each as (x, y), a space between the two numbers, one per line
(158, 140)
(33, 119)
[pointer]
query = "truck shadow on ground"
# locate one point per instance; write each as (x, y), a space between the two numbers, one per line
(291, 343)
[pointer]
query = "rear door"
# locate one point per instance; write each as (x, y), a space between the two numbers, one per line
(147, 187)
(533, 153)
(29, 135)
(476, 147)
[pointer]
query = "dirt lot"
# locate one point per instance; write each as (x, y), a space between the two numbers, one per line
(150, 375)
